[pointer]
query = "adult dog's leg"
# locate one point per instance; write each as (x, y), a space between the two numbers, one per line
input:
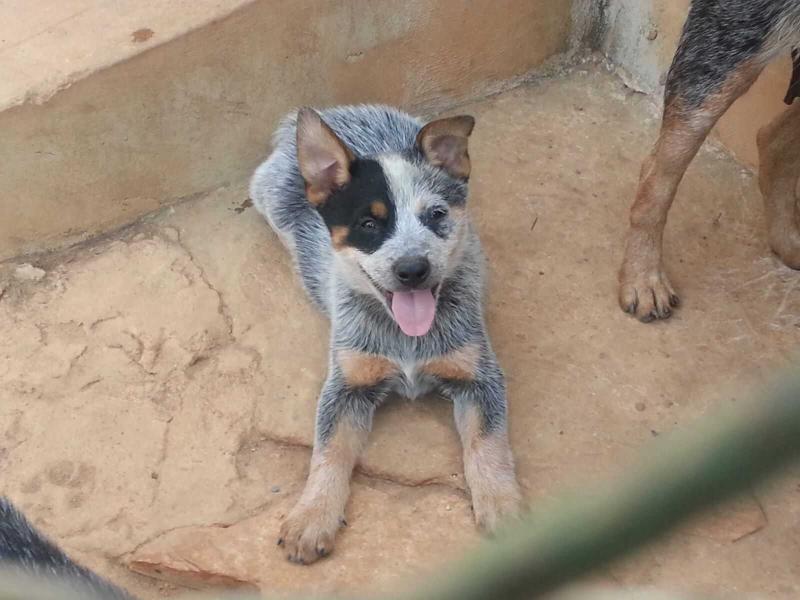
(779, 176)
(709, 72)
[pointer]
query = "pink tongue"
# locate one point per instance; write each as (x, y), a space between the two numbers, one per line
(414, 311)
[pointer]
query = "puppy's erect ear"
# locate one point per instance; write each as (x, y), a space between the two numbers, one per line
(323, 158)
(444, 144)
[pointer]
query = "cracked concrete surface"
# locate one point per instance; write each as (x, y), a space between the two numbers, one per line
(158, 386)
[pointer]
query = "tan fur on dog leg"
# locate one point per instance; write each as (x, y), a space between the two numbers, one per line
(644, 289)
(459, 365)
(365, 370)
(308, 532)
(489, 471)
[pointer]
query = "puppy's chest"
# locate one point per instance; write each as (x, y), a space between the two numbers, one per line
(411, 380)
(409, 377)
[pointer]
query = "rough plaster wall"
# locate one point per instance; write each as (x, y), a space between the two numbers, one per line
(626, 25)
(196, 112)
(640, 36)
(586, 20)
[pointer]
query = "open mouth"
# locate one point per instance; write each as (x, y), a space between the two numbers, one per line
(412, 310)
(388, 296)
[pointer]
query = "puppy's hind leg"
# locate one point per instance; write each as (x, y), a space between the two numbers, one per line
(24, 550)
(779, 176)
(703, 82)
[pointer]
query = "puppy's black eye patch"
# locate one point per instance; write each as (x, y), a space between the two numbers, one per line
(379, 209)
(377, 217)
(368, 224)
(360, 215)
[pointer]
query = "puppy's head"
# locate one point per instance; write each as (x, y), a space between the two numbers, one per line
(397, 221)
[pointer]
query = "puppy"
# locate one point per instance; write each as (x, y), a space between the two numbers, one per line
(371, 204)
(724, 47)
(24, 551)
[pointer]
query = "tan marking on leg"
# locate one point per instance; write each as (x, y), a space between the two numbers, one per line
(339, 236)
(378, 209)
(489, 471)
(459, 365)
(645, 290)
(308, 532)
(365, 370)
(779, 178)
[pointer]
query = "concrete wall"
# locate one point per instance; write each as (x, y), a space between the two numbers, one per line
(195, 112)
(641, 37)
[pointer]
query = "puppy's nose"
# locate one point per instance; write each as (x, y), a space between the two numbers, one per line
(412, 271)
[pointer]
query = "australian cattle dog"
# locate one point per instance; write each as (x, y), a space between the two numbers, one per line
(372, 205)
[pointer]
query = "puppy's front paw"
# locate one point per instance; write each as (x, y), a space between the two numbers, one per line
(307, 534)
(496, 506)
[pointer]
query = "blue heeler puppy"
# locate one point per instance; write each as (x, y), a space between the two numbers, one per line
(725, 46)
(25, 551)
(371, 204)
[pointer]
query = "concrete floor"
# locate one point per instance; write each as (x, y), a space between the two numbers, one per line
(157, 388)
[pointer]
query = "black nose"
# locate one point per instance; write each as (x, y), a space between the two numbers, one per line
(412, 271)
